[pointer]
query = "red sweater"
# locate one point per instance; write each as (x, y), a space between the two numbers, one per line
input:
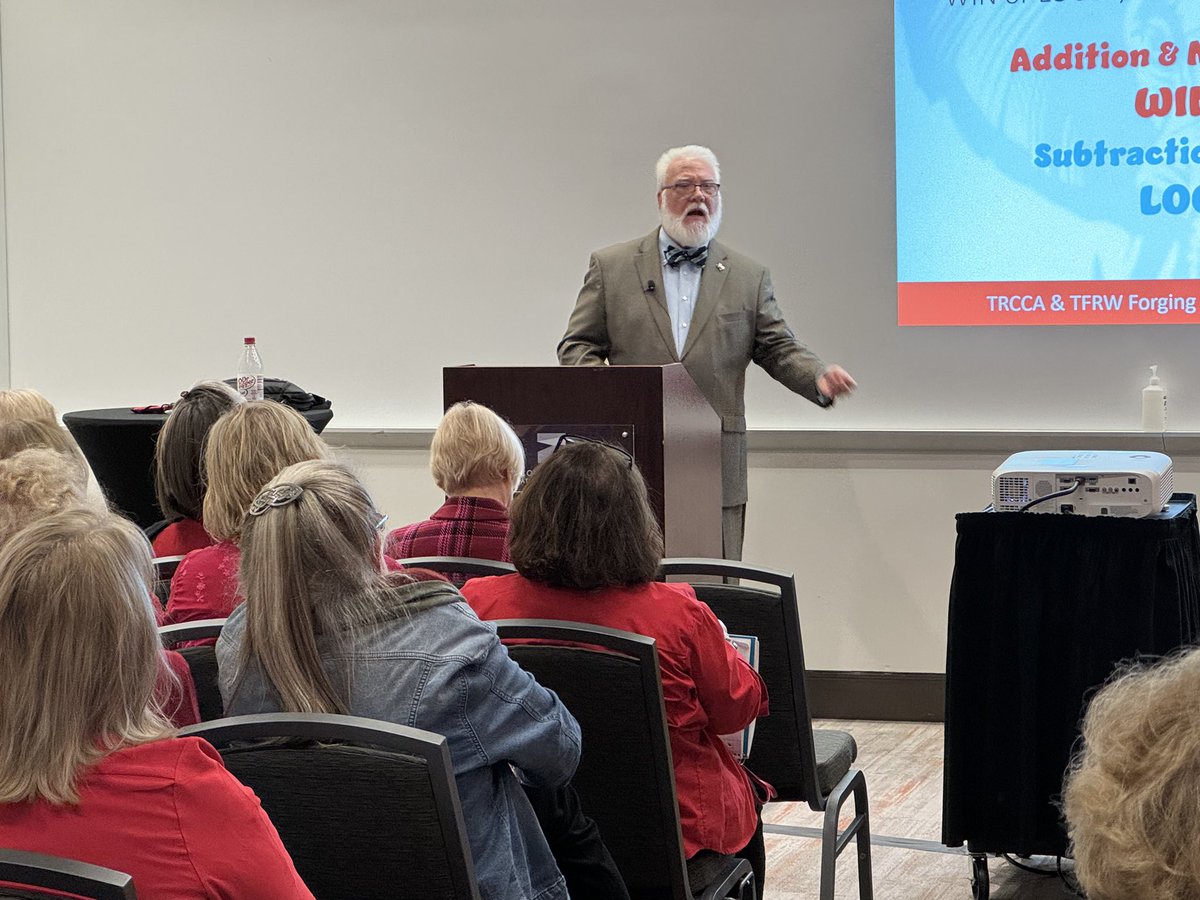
(169, 814)
(707, 689)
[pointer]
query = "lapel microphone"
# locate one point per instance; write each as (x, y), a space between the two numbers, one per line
(650, 286)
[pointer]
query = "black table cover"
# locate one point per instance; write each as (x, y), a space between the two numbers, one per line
(119, 446)
(1042, 607)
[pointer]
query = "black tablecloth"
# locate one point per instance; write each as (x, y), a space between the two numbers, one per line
(119, 446)
(1041, 609)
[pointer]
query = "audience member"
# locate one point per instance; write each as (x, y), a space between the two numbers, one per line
(35, 483)
(1132, 795)
(23, 434)
(25, 403)
(477, 459)
(179, 479)
(89, 767)
(246, 448)
(326, 628)
(587, 548)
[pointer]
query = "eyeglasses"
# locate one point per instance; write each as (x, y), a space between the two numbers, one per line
(382, 523)
(707, 188)
(568, 439)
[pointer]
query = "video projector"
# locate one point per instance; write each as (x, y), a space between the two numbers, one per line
(1091, 482)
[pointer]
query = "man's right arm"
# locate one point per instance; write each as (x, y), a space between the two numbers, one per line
(586, 340)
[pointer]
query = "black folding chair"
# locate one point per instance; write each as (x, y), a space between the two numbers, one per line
(459, 568)
(43, 876)
(164, 571)
(815, 766)
(365, 808)
(625, 779)
(201, 660)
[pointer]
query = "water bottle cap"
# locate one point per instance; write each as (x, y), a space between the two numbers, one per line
(249, 340)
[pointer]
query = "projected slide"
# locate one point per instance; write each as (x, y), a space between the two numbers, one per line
(1048, 162)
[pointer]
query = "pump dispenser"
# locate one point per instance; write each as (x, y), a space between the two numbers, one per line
(1154, 404)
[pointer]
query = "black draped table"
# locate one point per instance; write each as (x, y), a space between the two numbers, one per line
(119, 446)
(1042, 607)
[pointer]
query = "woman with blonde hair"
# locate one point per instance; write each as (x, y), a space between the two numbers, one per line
(1132, 795)
(246, 448)
(477, 460)
(329, 626)
(26, 403)
(179, 480)
(89, 766)
(37, 483)
(22, 434)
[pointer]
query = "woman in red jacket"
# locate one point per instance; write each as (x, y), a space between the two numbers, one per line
(587, 548)
(89, 766)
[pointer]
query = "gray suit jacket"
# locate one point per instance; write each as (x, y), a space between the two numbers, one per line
(619, 320)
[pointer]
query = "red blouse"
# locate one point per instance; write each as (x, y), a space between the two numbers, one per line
(205, 586)
(181, 537)
(707, 689)
(169, 814)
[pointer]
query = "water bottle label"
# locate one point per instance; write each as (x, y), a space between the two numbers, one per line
(250, 386)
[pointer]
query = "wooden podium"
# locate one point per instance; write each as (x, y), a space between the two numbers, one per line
(655, 412)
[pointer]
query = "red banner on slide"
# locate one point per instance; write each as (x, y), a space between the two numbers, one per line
(1144, 302)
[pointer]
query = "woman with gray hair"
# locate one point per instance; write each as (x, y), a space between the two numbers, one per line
(1132, 795)
(328, 625)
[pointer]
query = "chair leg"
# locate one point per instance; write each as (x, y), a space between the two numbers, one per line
(853, 784)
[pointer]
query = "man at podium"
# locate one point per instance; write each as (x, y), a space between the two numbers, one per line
(677, 295)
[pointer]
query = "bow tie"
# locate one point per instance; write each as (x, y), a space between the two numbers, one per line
(676, 256)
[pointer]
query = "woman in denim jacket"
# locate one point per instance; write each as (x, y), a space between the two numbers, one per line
(379, 644)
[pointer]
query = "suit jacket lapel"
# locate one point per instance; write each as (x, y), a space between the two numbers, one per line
(649, 270)
(711, 283)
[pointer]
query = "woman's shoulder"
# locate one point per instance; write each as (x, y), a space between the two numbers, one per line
(166, 759)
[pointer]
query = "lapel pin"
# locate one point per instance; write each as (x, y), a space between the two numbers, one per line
(720, 267)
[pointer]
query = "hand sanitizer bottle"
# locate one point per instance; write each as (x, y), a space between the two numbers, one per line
(1154, 404)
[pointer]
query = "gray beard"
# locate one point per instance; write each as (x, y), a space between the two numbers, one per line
(684, 235)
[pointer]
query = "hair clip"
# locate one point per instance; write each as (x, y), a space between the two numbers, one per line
(280, 495)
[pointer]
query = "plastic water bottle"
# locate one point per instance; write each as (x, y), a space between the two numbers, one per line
(250, 371)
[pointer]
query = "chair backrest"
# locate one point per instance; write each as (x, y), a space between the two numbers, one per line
(609, 680)
(40, 875)
(201, 660)
(164, 571)
(459, 568)
(365, 808)
(783, 752)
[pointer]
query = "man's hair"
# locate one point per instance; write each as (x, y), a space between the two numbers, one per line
(23, 434)
(1132, 795)
(79, 652)
(179, 450)
(25, 403)
(36, 483)
(309, 567)
(474, 448)
(246, 448)
(583, 521)
(691, 151)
